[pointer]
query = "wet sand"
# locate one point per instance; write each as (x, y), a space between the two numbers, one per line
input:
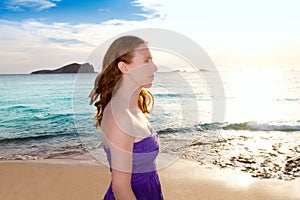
(74, 179)
(262, 154)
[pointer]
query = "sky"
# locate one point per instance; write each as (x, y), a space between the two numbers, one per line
(47, 34)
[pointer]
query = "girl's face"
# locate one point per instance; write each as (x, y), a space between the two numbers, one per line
(142, 69)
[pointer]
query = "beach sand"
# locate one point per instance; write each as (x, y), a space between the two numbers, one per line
(85, 180)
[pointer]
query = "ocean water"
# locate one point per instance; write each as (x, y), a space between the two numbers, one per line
(48, 115)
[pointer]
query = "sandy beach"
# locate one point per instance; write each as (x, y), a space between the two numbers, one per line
(77, 179)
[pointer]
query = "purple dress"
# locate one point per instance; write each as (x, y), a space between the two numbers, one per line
(144, 180)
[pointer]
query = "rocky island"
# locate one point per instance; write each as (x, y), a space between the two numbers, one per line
(71, 68)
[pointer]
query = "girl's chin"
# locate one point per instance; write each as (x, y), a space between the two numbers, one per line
(148, 85)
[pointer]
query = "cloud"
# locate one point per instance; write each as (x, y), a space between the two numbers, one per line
(36, 43)
(64, 41)
(31, 45)
(38, 5)
(104, 10)
(153, 9)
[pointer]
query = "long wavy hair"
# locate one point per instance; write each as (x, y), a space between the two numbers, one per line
(121, 50)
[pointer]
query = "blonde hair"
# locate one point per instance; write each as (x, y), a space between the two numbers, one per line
(121, 50)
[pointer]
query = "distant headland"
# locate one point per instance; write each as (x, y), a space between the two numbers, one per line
(71, 68)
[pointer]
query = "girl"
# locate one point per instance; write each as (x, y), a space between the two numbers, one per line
(124, 103)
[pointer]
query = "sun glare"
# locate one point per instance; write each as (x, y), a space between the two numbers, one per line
(255, 90)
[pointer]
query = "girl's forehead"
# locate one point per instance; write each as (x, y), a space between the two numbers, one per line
(142, 49)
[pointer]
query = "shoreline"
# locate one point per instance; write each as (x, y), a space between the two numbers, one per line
(184, 179)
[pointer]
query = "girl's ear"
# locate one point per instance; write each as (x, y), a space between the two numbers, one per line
(122, 67)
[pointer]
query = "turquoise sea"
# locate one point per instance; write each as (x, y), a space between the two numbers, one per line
(48, 115)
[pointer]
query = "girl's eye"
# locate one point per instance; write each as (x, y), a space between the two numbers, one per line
(148, 60)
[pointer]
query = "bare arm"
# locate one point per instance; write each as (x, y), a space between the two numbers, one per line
(121, 147)
(121, 185)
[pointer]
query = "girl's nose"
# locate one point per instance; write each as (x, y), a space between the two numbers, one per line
(155, 68)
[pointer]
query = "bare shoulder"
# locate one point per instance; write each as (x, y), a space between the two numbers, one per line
(116, 119)
(107, 117)
(108, 124)
(116, 129)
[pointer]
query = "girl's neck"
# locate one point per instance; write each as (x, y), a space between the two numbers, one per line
(127, 94)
